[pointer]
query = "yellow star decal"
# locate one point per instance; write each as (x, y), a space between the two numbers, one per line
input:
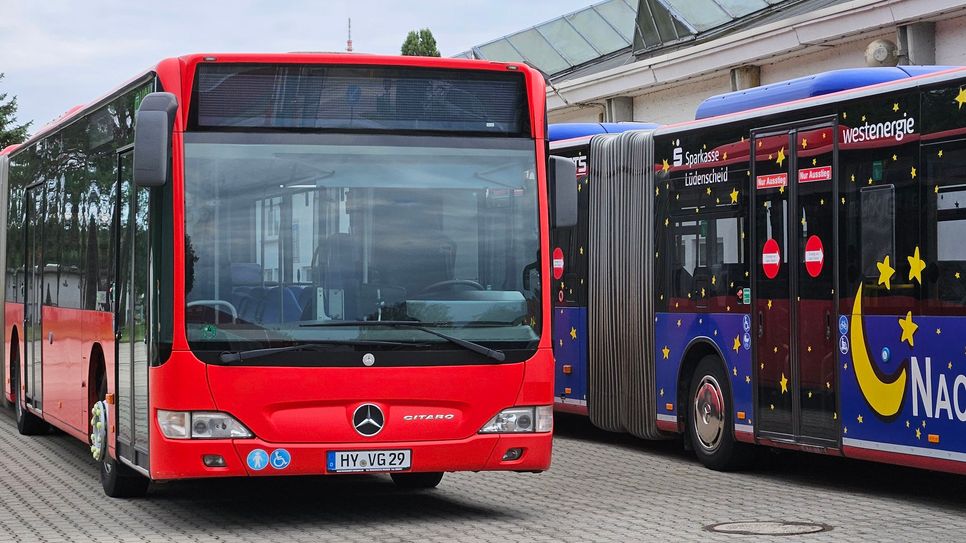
(725, 156)
(828, 385)
(708, 191)
(665, 166)
(814, 162)
(853, 178)
(665, 351)
(859, 418)
(734, 371)
(573, 333)
(845, 115)
(916, 265)
(885, 272)
(714, 279)
(774, 349)
(939, 331)
(734, 196)
(913, 172)
(895, 158)
(580, 250)
(781, 157)
(950, 365)
(863, 118)
(936, 189)
(784, 383)
(747, 379)
(579, 187)
(657, 191)
(769, 304)
(679, 323)
(804, 143)
(809, 393)
(736, 344)
(895, 106)
(667, 222)
(918, 434)
(956, 275)
(908, 328)
(781, 189)
(702, 292)
(961, 97)
(561, 343)
(940, 153)
(907, 424)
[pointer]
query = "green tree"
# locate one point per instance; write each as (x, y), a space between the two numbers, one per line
(420, 43)
(10, 132)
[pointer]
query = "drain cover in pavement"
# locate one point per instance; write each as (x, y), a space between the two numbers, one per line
(768, 528)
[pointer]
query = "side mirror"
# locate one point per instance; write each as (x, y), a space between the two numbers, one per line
(562, 174)
(153, 125)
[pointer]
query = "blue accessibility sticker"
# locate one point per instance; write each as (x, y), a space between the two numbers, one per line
(746, 322)
(843, 325)
(844, 345)
(257, 459)
(281, 459)
(746, 341)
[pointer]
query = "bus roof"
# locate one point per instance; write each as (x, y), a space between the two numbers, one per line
(806, 87)
(563, 132)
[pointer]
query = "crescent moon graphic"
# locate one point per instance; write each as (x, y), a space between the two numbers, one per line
(883, 396)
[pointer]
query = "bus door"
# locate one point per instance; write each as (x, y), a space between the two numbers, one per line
(793, 293)
(34, 281)
(133, 307)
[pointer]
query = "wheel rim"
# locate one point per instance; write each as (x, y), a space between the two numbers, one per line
(708, 413)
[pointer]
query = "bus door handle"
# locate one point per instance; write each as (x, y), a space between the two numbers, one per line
(761, 325)
(828, 325)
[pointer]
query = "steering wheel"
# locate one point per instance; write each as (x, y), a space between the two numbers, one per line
(450, 283)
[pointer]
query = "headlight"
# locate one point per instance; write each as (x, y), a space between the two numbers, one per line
(519, 420)
(201, 425)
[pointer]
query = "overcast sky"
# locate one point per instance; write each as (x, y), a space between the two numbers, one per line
(56, 55)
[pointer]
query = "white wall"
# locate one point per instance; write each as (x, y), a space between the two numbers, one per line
(951, 41)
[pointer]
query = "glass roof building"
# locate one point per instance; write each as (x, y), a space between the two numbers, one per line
(615, 32)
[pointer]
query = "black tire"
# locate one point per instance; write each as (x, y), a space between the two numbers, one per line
(117, 479)
(28, 424)
(416, 481)
(710, 423)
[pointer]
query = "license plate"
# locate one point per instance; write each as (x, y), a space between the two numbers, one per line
(359, 461)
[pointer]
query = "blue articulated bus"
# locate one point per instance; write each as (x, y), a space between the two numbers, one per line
(786, 270)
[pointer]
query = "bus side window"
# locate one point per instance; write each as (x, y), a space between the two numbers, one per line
(945, 227)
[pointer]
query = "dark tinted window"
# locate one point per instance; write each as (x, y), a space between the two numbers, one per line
(364, 98)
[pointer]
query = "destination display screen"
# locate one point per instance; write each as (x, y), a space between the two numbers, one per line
(319, 97)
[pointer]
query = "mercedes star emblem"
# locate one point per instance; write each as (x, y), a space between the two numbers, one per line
(368, 420)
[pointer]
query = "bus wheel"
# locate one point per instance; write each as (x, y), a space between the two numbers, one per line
(413, 481)
(709, 419)
(117, 479)
(28, 424)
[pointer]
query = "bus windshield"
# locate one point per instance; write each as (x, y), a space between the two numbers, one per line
(285, 233)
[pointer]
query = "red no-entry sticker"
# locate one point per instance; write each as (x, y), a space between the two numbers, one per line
(771, 259)
(558, 263)
(814, 256)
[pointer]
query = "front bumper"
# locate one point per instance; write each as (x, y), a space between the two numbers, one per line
(183, 459)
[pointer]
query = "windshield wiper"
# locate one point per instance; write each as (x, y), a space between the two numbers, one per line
(499, 356)
(316, 346)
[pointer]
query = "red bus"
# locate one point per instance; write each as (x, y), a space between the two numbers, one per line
(256, 265)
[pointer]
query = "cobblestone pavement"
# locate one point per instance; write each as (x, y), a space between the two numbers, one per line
(602, 487)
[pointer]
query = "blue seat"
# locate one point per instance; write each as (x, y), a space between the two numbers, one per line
(280, 305)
